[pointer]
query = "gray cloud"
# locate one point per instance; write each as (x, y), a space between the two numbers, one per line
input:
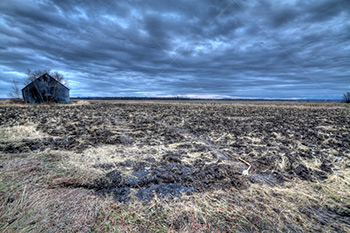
(197, 48)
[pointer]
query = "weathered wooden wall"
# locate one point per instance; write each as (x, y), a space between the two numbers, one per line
(45, 89)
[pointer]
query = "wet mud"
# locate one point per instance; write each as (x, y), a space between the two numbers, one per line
(169, 180)
(328, 216)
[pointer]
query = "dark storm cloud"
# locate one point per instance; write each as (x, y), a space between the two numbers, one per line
(287, 49)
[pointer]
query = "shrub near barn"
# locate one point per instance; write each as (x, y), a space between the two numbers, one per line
(346, 97)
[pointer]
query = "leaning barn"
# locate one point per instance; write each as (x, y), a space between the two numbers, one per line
(45, 89)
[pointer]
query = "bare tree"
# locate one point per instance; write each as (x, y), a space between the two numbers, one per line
(14, 92)
(48, 92)
(32, 75)
(59, 77)
(346, 97)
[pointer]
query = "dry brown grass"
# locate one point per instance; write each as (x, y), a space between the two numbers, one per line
(111, 155)
(20, 132)
(11, 102)
(39, 210)
(33, 198)
(80, 102)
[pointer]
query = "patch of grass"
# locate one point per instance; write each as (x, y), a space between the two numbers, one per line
(19, 133)
(317, 187)
(80, 102)
(33, 199)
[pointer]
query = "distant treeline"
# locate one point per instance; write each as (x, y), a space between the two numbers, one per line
(186, 98)
(132, 98)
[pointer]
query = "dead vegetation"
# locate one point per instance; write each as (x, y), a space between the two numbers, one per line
(194, 167)
(20, 132)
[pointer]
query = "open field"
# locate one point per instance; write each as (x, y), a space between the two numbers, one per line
(167, 166)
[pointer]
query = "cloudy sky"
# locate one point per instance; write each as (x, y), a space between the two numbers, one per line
(203, 48)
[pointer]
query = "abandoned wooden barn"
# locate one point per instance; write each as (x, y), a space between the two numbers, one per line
(45, 89)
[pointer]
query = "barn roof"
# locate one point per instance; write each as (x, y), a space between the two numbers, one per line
(46, 74)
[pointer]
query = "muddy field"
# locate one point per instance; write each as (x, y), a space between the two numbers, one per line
(169, 151)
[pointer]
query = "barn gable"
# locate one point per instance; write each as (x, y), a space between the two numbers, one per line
(45, 89)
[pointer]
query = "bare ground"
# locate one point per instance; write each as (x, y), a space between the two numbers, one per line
(175, 166)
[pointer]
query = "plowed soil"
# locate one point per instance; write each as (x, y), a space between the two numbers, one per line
(190, 147)
(178, 166)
